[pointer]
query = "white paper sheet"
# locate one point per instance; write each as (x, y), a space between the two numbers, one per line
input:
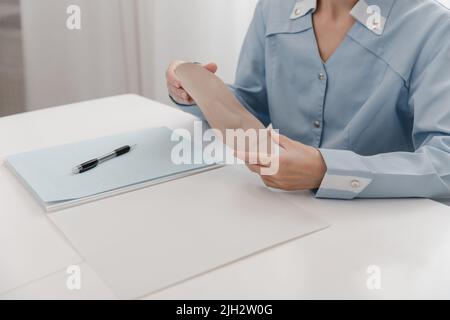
(147, 240)
(31, 247)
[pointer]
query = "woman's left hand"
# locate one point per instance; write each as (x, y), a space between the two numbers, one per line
(301, 167)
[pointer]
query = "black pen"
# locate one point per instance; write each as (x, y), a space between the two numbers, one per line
(91, 164)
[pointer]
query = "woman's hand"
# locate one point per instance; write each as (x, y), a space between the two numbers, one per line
(176, 91)
(301, 167)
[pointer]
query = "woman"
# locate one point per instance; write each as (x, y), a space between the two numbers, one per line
(360, 91)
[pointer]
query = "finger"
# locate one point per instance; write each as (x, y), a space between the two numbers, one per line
(183, 94)
(171, 75)
(179, 95)
(211, 67)
(281, 140)
(270, 183)
(173, 91)
(189, 100)
(262, 160)
(254, 168)
(254, 158)
(172, 79)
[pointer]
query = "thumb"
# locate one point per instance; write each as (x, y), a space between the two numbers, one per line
(211, 67)
(281, 140)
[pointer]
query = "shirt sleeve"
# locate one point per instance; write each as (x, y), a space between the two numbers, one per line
(250, 83)
(424, 173)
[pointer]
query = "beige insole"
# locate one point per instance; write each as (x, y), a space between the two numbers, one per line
(218, 104)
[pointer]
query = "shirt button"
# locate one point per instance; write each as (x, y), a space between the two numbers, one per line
(321, 76)
(355, 184)
(317, 124)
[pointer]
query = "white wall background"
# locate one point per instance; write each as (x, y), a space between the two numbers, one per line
(125, 45)
(198, 30)
(11, 64)
(65, 66)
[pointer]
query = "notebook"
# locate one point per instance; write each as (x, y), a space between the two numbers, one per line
(47, 173)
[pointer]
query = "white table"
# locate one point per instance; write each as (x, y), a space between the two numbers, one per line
(409, 240)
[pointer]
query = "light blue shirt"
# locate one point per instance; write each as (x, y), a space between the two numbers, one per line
(378, 109)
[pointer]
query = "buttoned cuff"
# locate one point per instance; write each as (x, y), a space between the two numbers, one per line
(346, 177)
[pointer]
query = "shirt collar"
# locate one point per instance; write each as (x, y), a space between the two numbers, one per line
(372, 14)
(302, 7)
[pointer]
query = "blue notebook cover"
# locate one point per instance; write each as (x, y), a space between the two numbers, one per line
(48, 172)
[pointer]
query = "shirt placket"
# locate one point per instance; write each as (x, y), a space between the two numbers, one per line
(318, 124)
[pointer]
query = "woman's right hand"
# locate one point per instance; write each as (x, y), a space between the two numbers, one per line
(174, 86)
